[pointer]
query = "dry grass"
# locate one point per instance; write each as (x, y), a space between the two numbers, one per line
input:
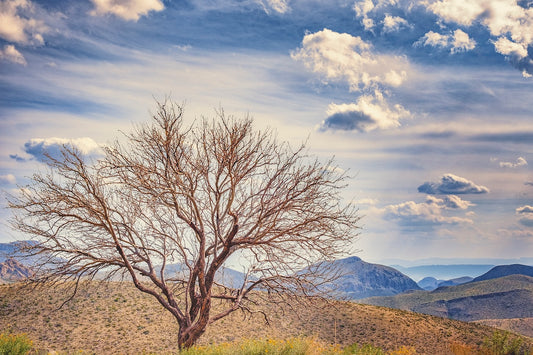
(116, 318)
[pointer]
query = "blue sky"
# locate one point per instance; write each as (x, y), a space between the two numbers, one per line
(426, 103)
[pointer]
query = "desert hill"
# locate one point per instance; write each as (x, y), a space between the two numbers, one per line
(116, 318)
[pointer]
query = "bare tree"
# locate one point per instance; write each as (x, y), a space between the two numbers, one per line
(193, 196)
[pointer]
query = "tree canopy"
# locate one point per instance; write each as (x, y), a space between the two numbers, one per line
(192, 196)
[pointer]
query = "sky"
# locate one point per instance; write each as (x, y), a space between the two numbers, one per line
(426, 104)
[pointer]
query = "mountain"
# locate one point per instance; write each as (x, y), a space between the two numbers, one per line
(226, 276)
(11, 270)
(501, 298)
(444, 272)
(431, 283)
(505, 270)
(361, 279)
(456, 281)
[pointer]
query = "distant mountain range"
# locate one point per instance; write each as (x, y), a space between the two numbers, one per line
(431, 283)
(490, 297)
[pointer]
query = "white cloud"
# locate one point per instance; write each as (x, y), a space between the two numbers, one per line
(520, 162)
(458, 11)
(433, 39)
(367, 114)
(17, 24)
(429, 212)
(8, 179)
(341, 57)
(11, 54)
(394, 23)
(452, 184)
(126, 9)
(506, 47)
(459, 41)
(38, 147)
(507, 20)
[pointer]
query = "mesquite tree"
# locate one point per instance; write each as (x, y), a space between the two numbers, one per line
(189, 196)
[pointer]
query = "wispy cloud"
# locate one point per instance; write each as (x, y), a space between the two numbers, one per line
(8, 179)
(520, 162)
(452, 184)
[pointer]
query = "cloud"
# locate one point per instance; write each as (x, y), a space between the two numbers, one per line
(450, 202)
(126, 9)
(341, 57)
(525, 209)
(11, 54)
(510, 22)
(18, 25)
(279, 6)
(429, 212)
(367, 114)
(394, 23)
(527, 213)
(8, 179)
(452, 184)
(520, 162)
(509, 48)
(37, 148)
(457, 42)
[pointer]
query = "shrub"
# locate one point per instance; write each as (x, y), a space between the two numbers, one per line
(367, 349)
(293, 346)
(502, 343)
(15, 344)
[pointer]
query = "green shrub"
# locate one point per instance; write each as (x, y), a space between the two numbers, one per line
(502, 343)
(367, 349)
(15, 344)
(293, 346)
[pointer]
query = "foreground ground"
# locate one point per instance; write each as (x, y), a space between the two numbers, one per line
(116, 318)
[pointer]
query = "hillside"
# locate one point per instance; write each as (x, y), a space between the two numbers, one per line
(505, 270)
(502, 298)
(361, 279)
(11, 270)
(116, 318)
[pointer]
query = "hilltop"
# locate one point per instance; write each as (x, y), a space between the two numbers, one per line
(361, 279)
(116, 318)
(505, 270)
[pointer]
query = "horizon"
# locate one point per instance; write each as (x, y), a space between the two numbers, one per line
(425, 103)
